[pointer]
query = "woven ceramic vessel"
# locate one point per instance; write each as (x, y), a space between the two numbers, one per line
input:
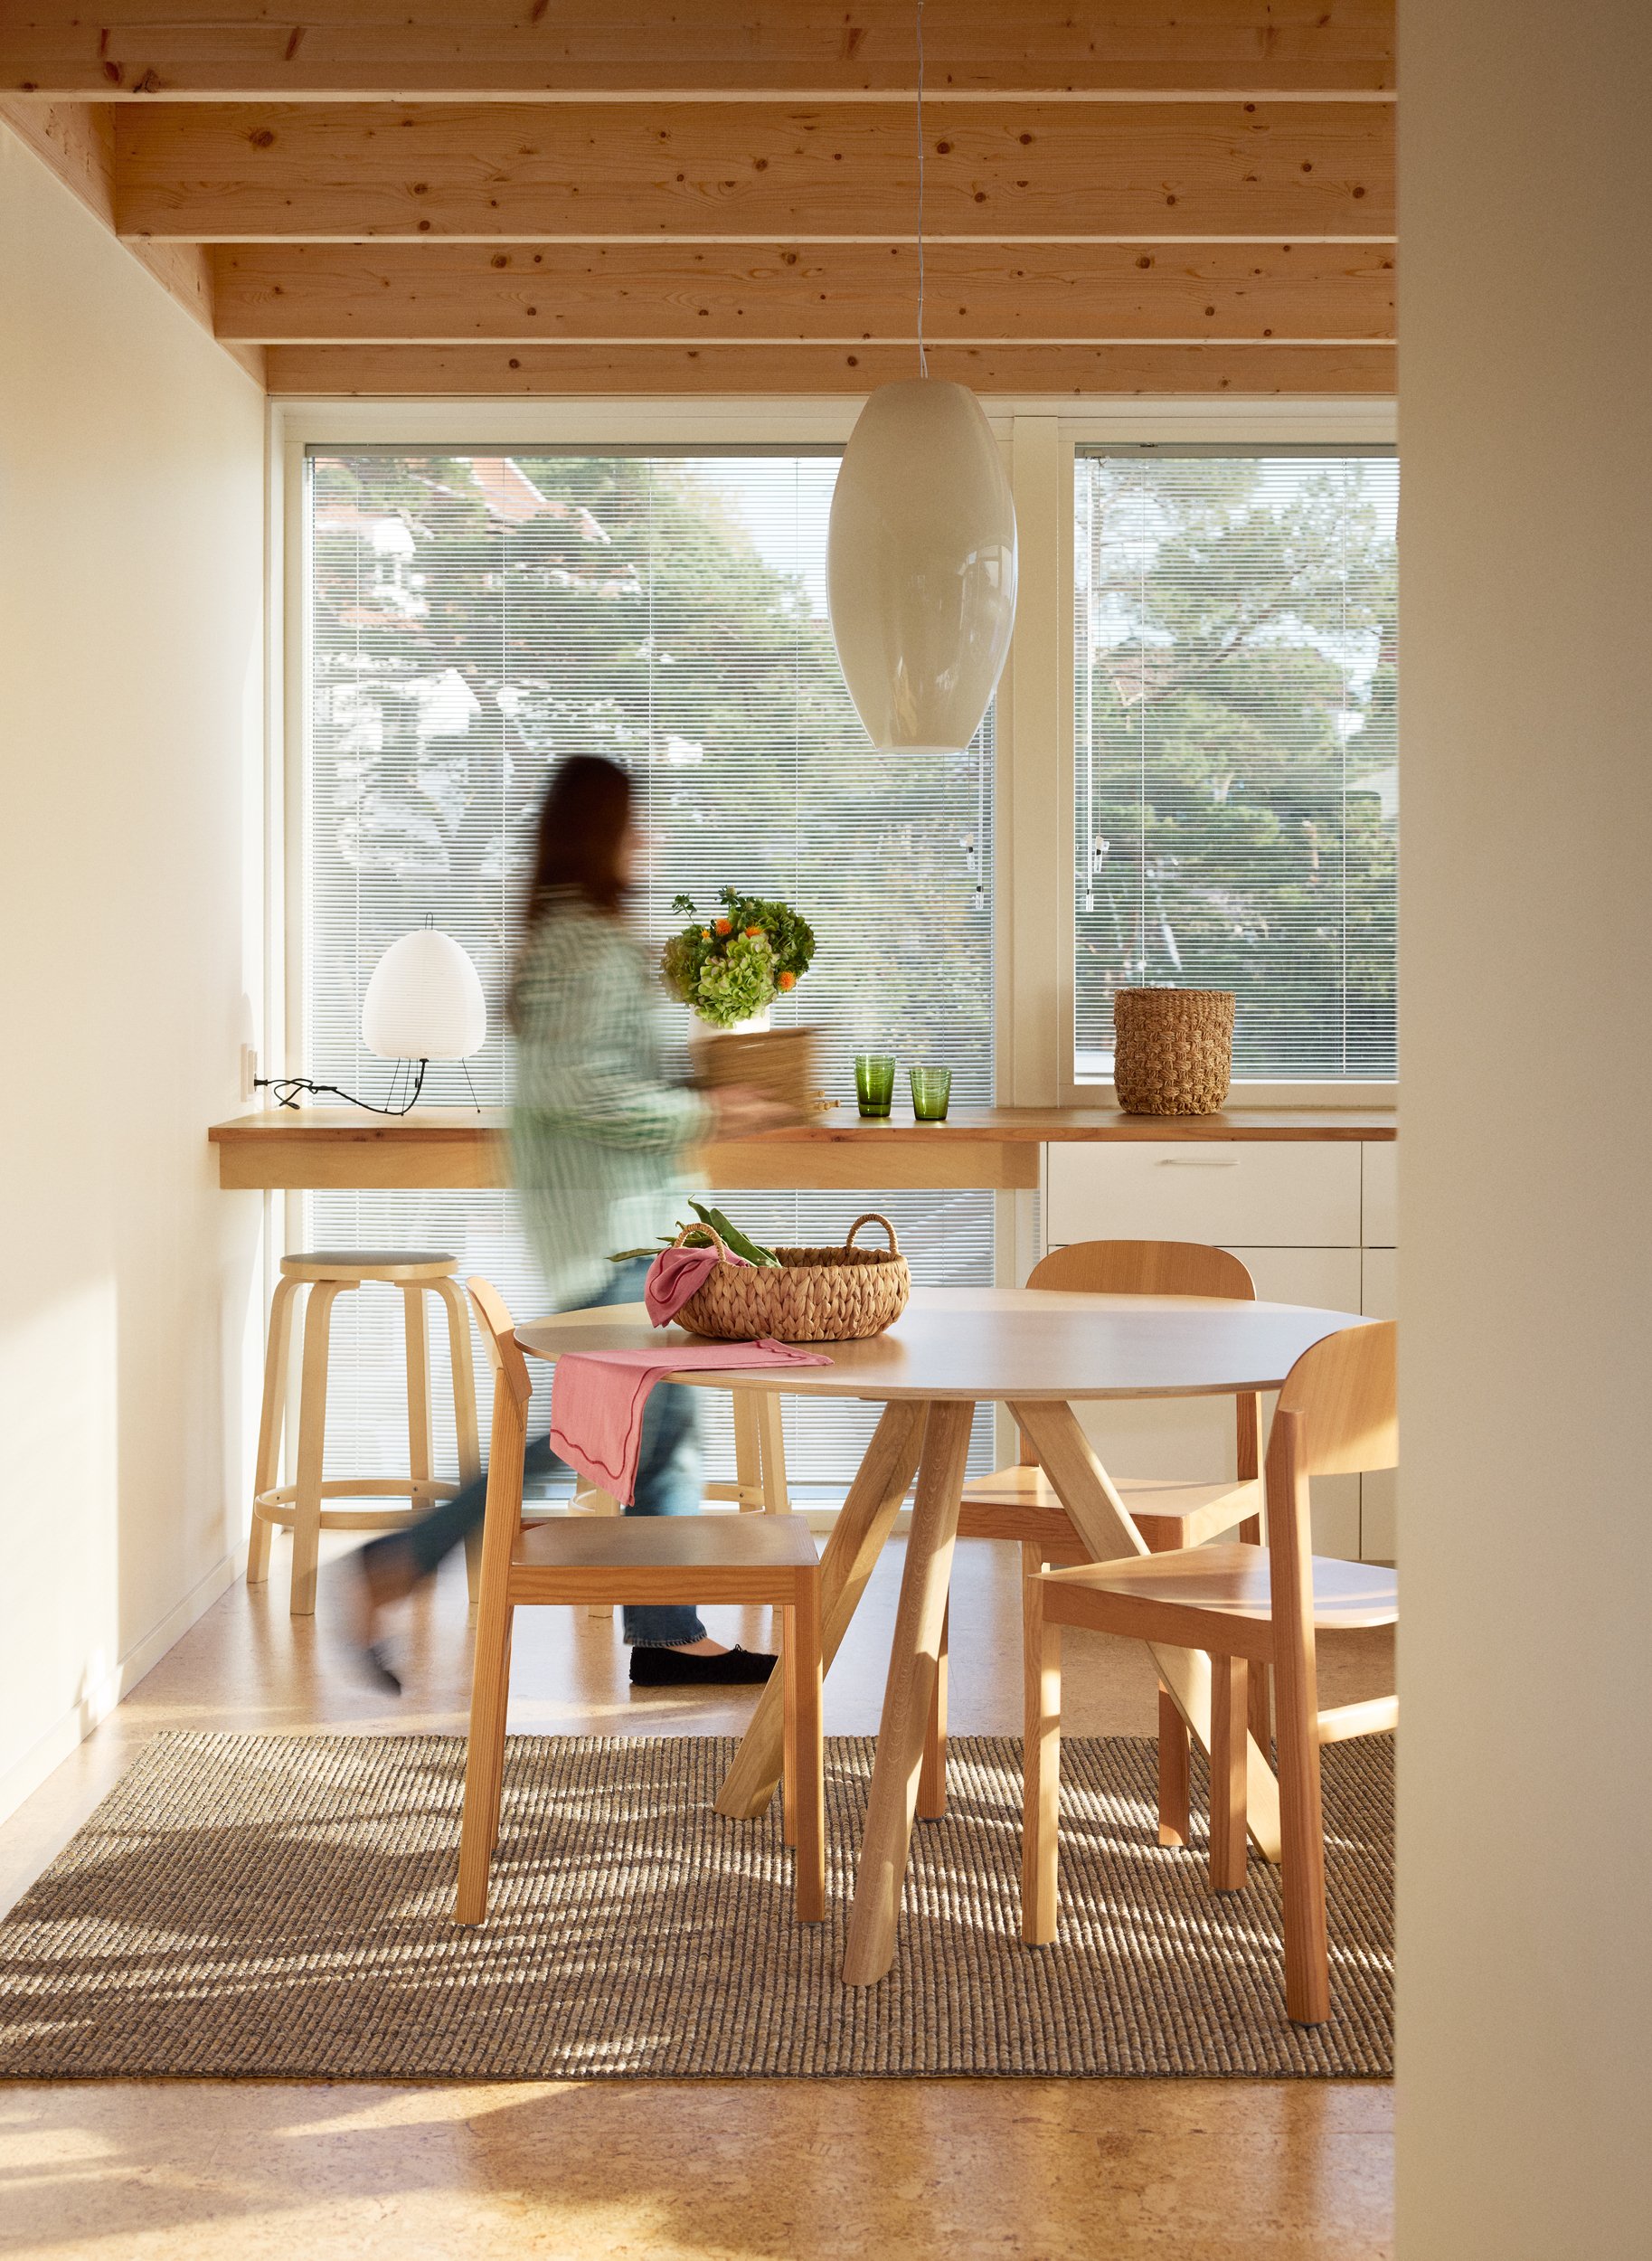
(1173, 1050)
(817, 1295)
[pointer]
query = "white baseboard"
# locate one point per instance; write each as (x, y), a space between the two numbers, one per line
(21, 1779)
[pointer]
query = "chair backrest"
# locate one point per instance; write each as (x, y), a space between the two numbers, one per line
(1144, 1268)
(1344, 1391)
(499, 1337)
(1155, 1268)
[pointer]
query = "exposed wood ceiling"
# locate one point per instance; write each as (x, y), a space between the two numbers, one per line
(528, 196)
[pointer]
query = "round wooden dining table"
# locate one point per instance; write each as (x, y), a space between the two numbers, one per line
(1039, 1352)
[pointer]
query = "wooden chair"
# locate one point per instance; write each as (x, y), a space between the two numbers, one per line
(571, 1559)
(1248, 1606)
(1020, 1503)
(327, 1274)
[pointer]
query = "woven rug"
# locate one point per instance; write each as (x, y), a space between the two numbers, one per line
(249, 1906)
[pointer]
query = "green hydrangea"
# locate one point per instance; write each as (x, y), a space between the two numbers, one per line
(731, 968)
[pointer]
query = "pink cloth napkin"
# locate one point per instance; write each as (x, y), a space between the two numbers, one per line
(675, 1274)
(597, 1397)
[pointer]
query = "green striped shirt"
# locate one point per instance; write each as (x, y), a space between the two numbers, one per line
(600, 1124)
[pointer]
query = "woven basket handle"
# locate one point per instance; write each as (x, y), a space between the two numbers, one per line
(716, 1238)
(872, 1218)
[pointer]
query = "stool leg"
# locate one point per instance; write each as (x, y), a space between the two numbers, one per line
(312, 1441)
(932, 1767)
(748, 1454)
(772, 1452)
(490, 1684)
(418, 1394)
(806, 1771)
(267, 1467)
(464, 1416)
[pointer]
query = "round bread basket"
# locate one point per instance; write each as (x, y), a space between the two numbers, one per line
(817, 1295)
(1173, 1050)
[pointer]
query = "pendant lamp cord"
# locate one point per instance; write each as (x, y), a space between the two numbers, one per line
(923, 359)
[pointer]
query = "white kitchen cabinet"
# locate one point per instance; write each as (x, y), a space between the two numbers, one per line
(1379, 1193)
(1237, 1193)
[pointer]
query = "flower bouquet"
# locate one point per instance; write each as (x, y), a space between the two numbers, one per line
(731, 968)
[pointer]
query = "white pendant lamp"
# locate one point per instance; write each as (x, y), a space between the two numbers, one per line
(920, 553)
(920, 566)
(424, 1001)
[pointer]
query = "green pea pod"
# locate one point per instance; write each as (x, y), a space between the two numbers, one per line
(733, 1237)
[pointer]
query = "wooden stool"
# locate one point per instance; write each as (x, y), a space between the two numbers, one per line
(329, 1274)
(747, 1558)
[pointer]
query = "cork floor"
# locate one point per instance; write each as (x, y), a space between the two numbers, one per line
(1039, 2170)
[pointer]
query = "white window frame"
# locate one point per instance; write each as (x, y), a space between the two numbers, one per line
(1035, 751)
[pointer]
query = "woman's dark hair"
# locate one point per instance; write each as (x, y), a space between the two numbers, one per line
(582, 820)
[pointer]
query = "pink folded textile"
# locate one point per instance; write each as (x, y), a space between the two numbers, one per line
(597, 1397)
(675, 1274)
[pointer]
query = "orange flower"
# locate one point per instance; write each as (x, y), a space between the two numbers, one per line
(789, 981)
(752, 931)
(723, 927)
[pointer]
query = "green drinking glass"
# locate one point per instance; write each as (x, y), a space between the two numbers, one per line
(931, 1089)
(874, 1083)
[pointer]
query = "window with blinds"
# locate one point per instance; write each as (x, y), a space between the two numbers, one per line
(1236, 787)
(475, 618)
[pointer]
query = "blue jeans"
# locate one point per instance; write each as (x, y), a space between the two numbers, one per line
(668, 1482)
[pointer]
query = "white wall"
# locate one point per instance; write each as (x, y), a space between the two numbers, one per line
(131, 471)
(1525, 1671)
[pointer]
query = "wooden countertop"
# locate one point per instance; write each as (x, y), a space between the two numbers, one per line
(991, 1146)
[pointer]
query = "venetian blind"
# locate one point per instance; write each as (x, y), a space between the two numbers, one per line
(1237, 793)
(472, 618)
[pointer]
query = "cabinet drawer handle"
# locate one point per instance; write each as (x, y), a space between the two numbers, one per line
(1180, 1161)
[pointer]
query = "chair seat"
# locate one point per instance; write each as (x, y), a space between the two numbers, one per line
(1201, 1510)
(667, 1542)
(1232, 1580)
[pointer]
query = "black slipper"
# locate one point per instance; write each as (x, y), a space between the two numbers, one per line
(675, 1668)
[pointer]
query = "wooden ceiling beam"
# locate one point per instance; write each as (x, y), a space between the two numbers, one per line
(402, 372)
(994, 171)
(76, 140)
(410, 49)
(445, 293)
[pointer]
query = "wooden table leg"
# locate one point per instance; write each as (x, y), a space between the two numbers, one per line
(865, 1521)
(1101, 1520)
(912, 1659)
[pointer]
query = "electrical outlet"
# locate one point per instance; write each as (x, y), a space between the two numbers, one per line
(248, 1071)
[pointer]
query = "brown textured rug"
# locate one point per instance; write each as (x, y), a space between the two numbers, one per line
(252, 1907)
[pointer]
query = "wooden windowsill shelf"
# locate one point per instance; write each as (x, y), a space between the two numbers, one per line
(992, 1148)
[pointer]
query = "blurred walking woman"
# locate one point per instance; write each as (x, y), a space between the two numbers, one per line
(598, 1132)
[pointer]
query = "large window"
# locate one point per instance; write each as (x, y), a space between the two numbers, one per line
(474, 618)
(1236, 792)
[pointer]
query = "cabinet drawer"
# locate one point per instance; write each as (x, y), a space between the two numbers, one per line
(1237, 1193)
(1380, 1193)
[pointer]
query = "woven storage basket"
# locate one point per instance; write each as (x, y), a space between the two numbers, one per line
(817, 1295)
(1173, 1051)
